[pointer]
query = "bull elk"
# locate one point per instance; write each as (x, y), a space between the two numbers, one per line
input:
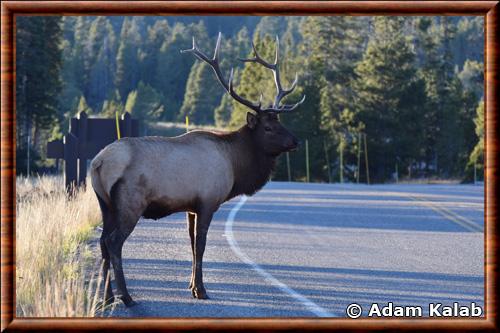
(195, 173)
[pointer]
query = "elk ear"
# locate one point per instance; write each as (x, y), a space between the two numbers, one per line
(251, 120)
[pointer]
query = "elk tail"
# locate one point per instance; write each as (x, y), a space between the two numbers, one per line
(97, 181)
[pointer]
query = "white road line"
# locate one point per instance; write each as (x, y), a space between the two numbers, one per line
(228, 230)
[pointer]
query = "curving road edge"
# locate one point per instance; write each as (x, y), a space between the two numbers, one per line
(228, 230)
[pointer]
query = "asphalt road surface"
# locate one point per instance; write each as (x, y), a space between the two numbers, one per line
(307, 250)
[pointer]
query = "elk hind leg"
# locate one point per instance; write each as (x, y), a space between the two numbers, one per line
(191, 219)
(106, 259)
(107, 226)
(114, 243)
(126, 214)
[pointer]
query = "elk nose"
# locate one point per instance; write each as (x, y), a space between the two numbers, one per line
(296, 142)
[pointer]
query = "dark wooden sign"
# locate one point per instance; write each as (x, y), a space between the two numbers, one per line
(86, 137)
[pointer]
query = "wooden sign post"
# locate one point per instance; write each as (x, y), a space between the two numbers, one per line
(86, 137)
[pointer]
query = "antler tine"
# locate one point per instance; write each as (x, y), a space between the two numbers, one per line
(258, 59)
(229, 86)
(217, 47)
(214, 63)
(200, 55)
(280, 92)
(294, 106)
(283, 92)
(231, 80)
(238, 98)
(286, 107)
(276, 58)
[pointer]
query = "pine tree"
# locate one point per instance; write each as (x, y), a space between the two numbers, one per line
(222, 113)
(112, 105)
(467, 114)
(83, 106)
(468, 42)
(270, 25)
(102, 47)
(335, 44)
(455, 110)
(81, 55)
(127, 59)
(144, 104)
(431, 65)
(70, 93)
(38, 81)
(390, 97)
(157, 35)
(477, 155)
(424, 119)
(242, 43)
(232, 50)
(472, 77)
(174, 67)
(203, 94)
(253, 81)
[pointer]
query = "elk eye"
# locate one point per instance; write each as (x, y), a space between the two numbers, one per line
(267, 129)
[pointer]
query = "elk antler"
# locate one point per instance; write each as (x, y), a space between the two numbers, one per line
(257, 107)
(280, 92)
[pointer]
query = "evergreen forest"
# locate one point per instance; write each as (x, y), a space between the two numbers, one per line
(388, 98)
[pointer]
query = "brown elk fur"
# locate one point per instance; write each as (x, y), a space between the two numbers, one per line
(154, 176)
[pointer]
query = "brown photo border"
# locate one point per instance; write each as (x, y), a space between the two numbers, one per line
(9, 9)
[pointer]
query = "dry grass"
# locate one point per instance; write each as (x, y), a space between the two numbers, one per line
(57, 274)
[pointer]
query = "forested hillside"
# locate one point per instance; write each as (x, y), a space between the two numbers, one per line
(412, 86)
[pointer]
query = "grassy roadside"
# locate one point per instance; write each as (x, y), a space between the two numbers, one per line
(57, 274)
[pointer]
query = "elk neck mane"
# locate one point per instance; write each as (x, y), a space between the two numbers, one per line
(251, 165)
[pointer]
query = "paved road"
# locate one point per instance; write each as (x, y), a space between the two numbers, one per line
(306, 250)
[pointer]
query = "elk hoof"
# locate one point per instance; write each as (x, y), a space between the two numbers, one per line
(199, 293)
(104, 304)
(109, 298)
(109, 301)
(128, 301)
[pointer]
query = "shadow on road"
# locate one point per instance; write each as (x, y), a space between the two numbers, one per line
(334, 288)
(332, 244)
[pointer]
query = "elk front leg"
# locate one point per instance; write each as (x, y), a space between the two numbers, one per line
(191, 220)
(203, 220)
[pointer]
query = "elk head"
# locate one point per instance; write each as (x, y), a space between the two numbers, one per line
(267, 131)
